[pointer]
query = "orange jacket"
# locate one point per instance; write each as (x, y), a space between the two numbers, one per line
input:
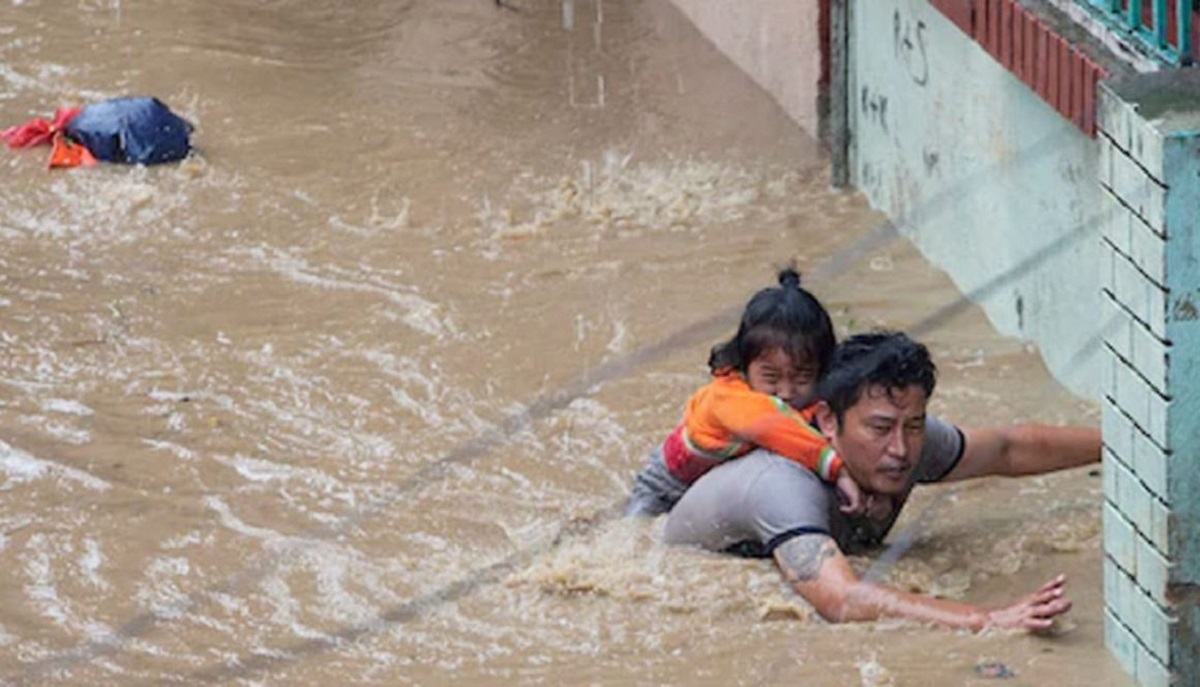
(726, 419)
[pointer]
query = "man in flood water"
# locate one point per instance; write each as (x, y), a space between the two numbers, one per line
(872, 410)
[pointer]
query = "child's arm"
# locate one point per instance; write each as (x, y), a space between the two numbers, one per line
(770, 423)
(853, 500)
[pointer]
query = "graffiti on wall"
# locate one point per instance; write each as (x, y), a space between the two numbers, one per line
(931, 159)
(874, 107)
(883, 104)
(908, 43)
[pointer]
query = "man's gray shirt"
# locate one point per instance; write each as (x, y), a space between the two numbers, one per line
(752, 504)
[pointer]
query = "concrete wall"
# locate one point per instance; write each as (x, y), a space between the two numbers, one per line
(1150, 178)
(776, 42)
(988, 180)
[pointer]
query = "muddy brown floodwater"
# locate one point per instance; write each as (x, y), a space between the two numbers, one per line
(347, 398)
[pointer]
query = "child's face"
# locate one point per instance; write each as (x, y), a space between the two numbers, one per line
(774, 373)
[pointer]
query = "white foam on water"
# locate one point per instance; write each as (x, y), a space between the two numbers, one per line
(874, 674)
(430, 541)
(351, 586)
(189, 540)
(620, 194)
(319, 434)
(176, 422)
(81, 210)
(232, 605)
(21, 467)
(286, 607)
(405, 401)
(41, 590)
(619, 343)
(261, 470)
(374, 449)
(378, 221)
(230, 521)
(174, 449)
(89, 564)
(305, 411)
(587, 432)
(161, 591)
(336, 570)
(52, 372)
(30, 387)
(351, 589)
(57, 430)
(175, 396)
(419, 313)
(67, 407)
(19, 81)
(424, 391)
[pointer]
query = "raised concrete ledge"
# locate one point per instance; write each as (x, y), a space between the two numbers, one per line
(776, 42)
(1169, 101)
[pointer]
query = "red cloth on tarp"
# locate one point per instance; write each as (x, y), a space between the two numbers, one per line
(36, 132)
(68, 153)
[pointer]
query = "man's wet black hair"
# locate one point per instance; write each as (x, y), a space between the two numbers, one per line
(786, 317)
(888, 359)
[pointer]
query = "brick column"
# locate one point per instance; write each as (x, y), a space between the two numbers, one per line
(1149, 137)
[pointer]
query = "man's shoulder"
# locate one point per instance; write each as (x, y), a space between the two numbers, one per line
(943, 447)
(756, 497)
(767, 468)
(760, 473)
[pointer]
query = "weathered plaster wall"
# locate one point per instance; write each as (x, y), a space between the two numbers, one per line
(989, 181)
(776, 42)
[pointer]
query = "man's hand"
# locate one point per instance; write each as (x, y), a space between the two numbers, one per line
(1035, 612)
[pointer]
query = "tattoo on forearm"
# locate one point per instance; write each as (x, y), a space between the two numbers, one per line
(802, 557)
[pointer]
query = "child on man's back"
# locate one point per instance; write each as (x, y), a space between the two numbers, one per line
(761, 378)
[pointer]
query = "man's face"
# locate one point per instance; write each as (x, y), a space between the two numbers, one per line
(880, 437)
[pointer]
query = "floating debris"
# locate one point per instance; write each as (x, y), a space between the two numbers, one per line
(873, 674)
(994, 669)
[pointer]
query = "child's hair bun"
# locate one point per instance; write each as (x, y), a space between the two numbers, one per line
(788, 276)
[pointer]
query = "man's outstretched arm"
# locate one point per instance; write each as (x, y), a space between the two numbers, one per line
(1027, 449)
(818, 571)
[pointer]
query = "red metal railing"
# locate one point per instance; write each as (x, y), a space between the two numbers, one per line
(1059, 72)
